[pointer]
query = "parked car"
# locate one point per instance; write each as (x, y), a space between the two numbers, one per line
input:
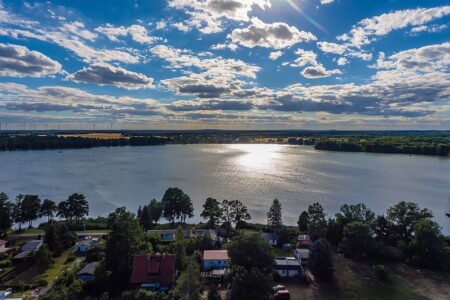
(282, 295)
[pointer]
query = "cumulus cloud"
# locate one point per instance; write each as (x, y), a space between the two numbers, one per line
(332, 47)
(19, 61)
(305, 58)
(318, 71)
(138, 33)
(102, 74)
(368, 29)
(207, 15)
(427, 58)
(275, 35)
(275, 55)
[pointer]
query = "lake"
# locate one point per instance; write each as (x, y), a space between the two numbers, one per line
(255, 174)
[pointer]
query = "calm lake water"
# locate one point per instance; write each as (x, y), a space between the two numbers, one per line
(255, 174)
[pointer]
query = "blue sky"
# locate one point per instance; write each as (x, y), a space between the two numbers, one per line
(255, 64)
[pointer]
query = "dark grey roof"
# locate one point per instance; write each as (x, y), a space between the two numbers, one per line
(88, 269)
(270, 236)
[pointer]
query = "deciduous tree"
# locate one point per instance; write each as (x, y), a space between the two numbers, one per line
(211, 211)
(274, 217)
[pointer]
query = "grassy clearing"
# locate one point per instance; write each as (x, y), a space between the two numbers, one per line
(57, 266)
(103, 231)
(30, 231)
(278, 252)
(358, 281)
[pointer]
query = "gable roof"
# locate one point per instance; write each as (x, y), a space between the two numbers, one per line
(31, 245)
(153, 268)
(270, 236)
(88, 269)
(215, 255)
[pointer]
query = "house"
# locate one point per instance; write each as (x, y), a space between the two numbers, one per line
(169, 234)
(215, 259)
(304, 241)
(288, 267)
(3, 248)
(33, 246)
(271, 238)
(209, 233)
(88, 272)
(85, 245)
(29, 249)
(302, 255)
(156, 271)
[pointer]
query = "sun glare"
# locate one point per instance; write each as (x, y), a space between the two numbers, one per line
(256, 157)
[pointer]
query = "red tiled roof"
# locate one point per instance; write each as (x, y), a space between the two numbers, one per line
(153, 268)
(215, 255)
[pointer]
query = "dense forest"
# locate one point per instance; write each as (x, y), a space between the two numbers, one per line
(420, 144)
(404, 142)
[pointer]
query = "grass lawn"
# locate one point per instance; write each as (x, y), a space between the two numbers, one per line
(104, 231)
(57, 266)
(278, 252)
(358, 281)
(30, 231)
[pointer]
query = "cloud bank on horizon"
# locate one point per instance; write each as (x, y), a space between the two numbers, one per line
(256, 64)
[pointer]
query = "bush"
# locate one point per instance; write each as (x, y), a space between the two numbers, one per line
(70, 259)
(381, 272)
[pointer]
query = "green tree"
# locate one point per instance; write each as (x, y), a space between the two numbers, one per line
(48, 209)
(320, 261)
(188, 284)
(125, 240)
(358, 212)
(211, 211)
(75, 208)
(251, 283)
(303, 221)
(317, 225)
(145, 218)
(429, 245)
(176, 205)
(79, 206)
(251, 250)
(43, 258)
(52, 239)
(274, 217)
(403, 218)
(5, 214)
(17, 214)
(31, 206)
(227, 216)
(155, 210)
(180, 249)
(239, 212)
(358, 239)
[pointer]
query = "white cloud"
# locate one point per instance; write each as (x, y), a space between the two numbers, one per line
(429, 28)
(231, 46)
(77, 28)
(332, 47)
(305, 58)
(342, 61)
(275, 55)
(323, 2)
(19, 61)
(161, 25)
(138, 33)
(318, 71)
(367, 30)
(207, 15)
(102, 74)
(275, 35)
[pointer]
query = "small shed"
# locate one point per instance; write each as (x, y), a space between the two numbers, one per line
(271, 238)
(85, 245)
(88, 272)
